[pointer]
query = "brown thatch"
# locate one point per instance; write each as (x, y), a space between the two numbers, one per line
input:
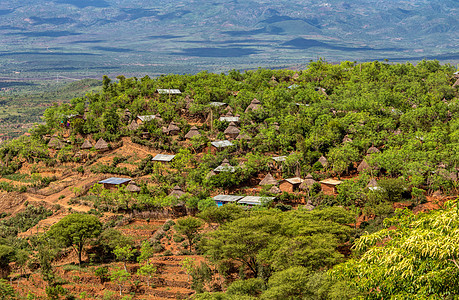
(132, 187)
(323, 161)
(363, 166)
(276, 126)
(372, 184)
(86, 145)
(165, 130)
(373, 149)
(296, 76)
(231, 131)
(225, 163)
(177, 192)
(193, 132)
(347, 139)
(274, 190)
(254, 105)
(307, 182)
(456, 83)
(133, 126)
(173, 129)
(243, 136)
(55, 143)
(101, 145)
(268, 180)
(210, 174)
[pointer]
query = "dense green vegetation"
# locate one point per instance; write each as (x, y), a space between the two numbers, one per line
(398, 118)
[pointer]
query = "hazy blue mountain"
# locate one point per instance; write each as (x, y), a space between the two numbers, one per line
(137, 37)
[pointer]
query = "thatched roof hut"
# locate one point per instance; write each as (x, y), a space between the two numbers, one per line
(372, 184)
(231, 132)
(274, 190)
(173, 129)
(210, 174)
(55, 143)
(363, 166)
(192, 133)
(133, 187)
(347, 139)
(243, 136)
(307, 182)
(101, 145)
(133, 125)
(86, 145)
(177, 192)
(323, 161)
(268, 180)
(254, 105)
(373, 149)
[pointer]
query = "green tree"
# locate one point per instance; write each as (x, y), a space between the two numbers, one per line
(76, 230)
(124, 254)
(120, 277)
(419, 259)
(189, 227)
(6, 291)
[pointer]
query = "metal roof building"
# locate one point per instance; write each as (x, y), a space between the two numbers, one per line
(168, 91)
(225, 169)
(146, 118)
(255, 200)
(229, 119)
(221, 144)
(279, 158)
(163, 157)
(217, 104)
(114, 181)
(223, 199)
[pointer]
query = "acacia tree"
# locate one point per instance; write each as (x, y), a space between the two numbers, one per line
(75, 230)
(189, 227)
(418, 259)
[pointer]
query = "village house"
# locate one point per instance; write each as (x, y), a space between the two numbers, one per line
(290, 185)
(101, 145)
(163, 157)
(192, 133)
(176, 192)
(225, 167)
(231, 132)
(255, 200)
(114, 182)
(225, 199)
(329, 186)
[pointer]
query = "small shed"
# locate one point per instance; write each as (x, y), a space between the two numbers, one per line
(224, 199)
(173, 129)
(290, 185)
(307, 183)
(192, 133)
(177, 192)
(114, 182)
(255, 200)
(231, 132)
(86, 145)
(101, 145)
(268, 180)
(323, 161)
(163, 157)
(329, 186)
(279, 158)
(254, 105)
(221, 144)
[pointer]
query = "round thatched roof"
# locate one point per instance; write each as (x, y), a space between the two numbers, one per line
(55, 143)
(274, 190)
(373, 149)
(173, 127)
(177, 192)
(133, 125)
(323, 161)
(243, 136)
(254, 105)
(363, 166)
(193, 132)
(372, 183)
(101, 144)
(307, 182)
(268, 180)
(232, 129)
(86, 145)
(132, 187)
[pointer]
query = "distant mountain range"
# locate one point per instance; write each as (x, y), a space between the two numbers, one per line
(89, 37)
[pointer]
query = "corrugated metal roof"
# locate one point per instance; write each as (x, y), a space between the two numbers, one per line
(280, 158)
(254, 200)
(168, 91)
(225, 169)
(115, 180)
(222, 144)
(163, 157)
(227, 198)
(331, 181)
(294, 180)
(146, 118)
(217, 104)
(293, 86)
(229, 119)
